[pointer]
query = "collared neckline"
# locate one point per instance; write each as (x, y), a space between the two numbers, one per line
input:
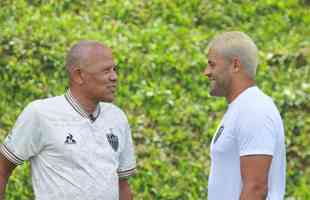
(79, 109)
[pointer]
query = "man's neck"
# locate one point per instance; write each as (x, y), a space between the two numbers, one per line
(88, 105)
(237, 89)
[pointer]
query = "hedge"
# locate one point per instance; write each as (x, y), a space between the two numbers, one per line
(160, 48)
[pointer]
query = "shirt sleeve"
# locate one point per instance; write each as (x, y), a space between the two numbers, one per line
(127, 164)
(23, 141)
(256, 135)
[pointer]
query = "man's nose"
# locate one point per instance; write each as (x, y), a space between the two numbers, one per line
(206, 72)
(113, 76)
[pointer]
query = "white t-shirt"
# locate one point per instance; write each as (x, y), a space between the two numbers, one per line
(72, 157)
(251, 126)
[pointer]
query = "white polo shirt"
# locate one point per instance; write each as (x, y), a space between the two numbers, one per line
(72, 156)
(251, 126)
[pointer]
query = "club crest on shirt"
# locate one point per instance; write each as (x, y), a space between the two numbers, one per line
(218, 133)
(113, 140)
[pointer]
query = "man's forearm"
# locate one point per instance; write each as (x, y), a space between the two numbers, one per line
(125, 191)
(3, 182)
(124, 195)
(6, 168)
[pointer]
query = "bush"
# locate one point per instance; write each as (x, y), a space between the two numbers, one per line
(160, 48)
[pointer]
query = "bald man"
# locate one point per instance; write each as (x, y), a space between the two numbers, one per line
(79, 144)
(247, 150)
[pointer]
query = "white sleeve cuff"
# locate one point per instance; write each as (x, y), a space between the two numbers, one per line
(257, 152)
(9, 155)
(126, 173)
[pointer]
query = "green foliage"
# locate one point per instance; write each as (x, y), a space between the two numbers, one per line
(160, 48)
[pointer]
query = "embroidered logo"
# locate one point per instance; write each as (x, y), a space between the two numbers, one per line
(70, 139)
(219, 133)
(113, 140)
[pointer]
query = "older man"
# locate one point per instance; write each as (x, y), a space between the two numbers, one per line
(247, 150)
(79, 144)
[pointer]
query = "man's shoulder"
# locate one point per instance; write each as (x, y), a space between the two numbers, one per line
(40, 107)
(47, 105)
(256, 101)
(257, 106)
(48, 102)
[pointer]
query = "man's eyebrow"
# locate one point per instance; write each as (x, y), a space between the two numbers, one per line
(111, 66)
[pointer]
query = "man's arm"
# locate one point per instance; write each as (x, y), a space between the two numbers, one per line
(124, 190)
(6, 168)
(254, 173)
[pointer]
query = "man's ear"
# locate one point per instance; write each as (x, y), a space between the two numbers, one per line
(77, 76)
(236, 64)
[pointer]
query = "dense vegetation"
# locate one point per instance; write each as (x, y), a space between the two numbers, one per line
(160, 48)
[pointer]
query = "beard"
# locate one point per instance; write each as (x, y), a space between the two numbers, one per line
(218, 88)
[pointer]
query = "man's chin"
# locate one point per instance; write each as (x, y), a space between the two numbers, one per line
(212, 92)
(108, 99)
(215, 93)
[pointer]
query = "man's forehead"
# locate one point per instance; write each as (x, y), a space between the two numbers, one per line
(106, 63)
(99, 57)
(100, 53)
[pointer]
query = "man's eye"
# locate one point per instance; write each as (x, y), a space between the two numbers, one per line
(105, 71)
(211, 64)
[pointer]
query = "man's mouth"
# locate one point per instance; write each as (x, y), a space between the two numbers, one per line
(212, 82)
(211, 78)
(112, 88)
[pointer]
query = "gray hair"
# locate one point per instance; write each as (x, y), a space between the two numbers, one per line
(237, 44)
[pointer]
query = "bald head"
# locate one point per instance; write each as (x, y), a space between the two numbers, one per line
(237, 44)
(85, 53)
(92, 71)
